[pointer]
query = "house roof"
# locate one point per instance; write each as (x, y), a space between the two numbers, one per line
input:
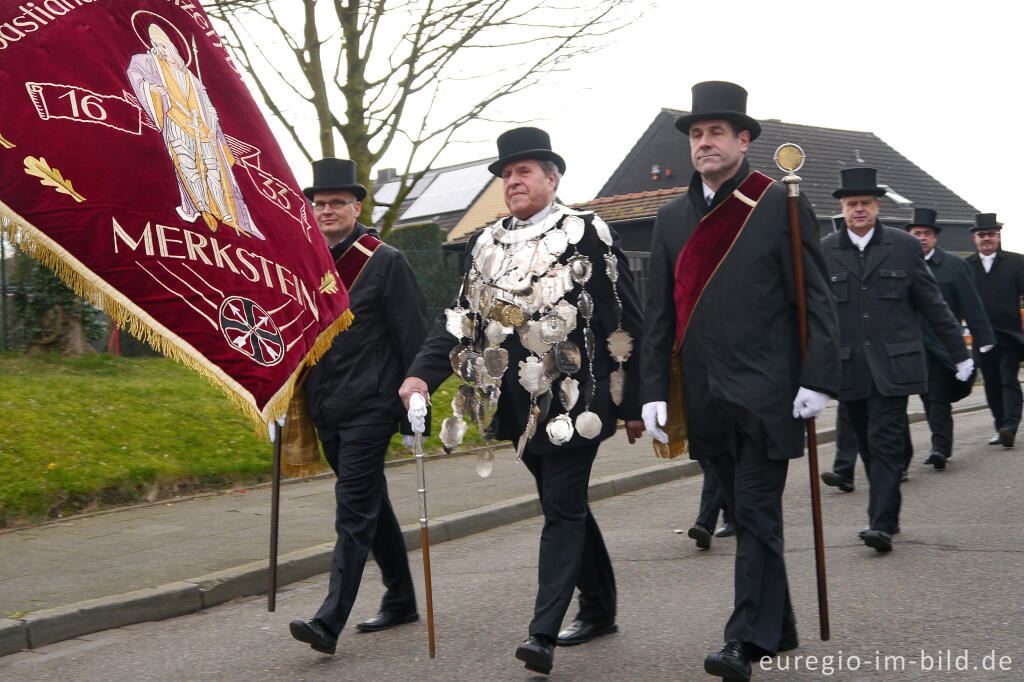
(828, 151)
(442, 195)
(630, 206)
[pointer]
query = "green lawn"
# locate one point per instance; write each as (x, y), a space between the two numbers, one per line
(77, 434)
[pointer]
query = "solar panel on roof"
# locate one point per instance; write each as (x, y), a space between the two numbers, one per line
(452, 190)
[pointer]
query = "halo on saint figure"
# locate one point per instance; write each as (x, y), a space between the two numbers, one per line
(142, 24)
(789, 157)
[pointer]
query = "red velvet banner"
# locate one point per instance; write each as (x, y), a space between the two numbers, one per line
(134, 162)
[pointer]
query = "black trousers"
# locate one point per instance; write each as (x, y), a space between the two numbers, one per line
(847, 445)
(711, 500)
(938, 404)
(752, 487)
(999, 369)
(364, 521)
(880, 423)
(572, 551)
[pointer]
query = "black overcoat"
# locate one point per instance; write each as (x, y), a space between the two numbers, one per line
(742, 343)
(957, 286)
(1001, 289)
(880, 293)
(357, 380)
(433, 365)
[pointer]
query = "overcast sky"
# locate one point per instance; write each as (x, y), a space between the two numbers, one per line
(938, 81)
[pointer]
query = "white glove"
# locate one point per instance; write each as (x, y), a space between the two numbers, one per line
(808, 404)
(655, 414)
(964, 369)
(270, 426)
(408, 441)
(417, 413)
(985, 349)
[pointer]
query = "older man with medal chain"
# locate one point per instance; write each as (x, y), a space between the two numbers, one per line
(544, 337)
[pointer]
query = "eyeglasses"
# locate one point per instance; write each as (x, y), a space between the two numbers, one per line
(335, 204)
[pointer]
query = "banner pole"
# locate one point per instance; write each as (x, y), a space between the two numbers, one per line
(275, 503)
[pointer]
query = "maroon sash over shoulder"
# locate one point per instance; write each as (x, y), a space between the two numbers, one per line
(351, 263)
(705, 250)
(709, 244)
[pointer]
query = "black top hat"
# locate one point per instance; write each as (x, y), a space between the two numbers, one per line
(859, 181)
(713, 100)
(924, 217)
(986, 221)
(524, 143)
(335, 174)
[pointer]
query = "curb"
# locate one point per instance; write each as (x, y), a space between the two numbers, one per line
(179, 598)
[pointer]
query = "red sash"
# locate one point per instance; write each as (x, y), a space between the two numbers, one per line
(708, 246)
(351, 263)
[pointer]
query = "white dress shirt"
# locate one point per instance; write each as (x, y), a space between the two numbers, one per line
(986, 261)
(860, 242)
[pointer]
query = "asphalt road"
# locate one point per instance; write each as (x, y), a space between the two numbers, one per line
(953, 588)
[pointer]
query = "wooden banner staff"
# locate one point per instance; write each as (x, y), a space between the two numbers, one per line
(790, 158)
(275, 503)
(424, 536)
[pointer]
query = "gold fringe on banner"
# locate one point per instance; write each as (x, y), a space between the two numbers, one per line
(87, 284)
(676, 426)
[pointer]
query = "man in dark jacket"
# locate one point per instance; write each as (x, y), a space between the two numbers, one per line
(352, 394)
(882, 286)
(721, 305)
(957, 286)
(544, 335)
(999, 277)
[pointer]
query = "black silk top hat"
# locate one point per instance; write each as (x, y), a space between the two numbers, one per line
(524, 143)
(986, 221)
(858, 182)
(335, 174)
(924, 217)
(714, 100)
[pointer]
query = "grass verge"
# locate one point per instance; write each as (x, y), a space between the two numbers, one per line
(78, 434)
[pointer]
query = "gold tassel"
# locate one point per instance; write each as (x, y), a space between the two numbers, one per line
(676, 426)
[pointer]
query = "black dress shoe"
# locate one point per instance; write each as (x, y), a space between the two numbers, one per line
(725, 531)
(937, 460)
(538, 653)
(995, 440)
(837, 481)
(1006, 437)
(731, 663)
(702, 535)
(581, 631)
(865, 529)
(879, 540)
(314, 634)
(385, 620)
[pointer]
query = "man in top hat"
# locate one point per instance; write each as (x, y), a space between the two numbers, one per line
(352, 395)
(722, 300)
(881, 286)
(999, 277)
(957, 286)
(544, 335)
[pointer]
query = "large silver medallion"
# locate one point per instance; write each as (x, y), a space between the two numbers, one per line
(588, 424)
(495, 362)
(453, 429)
(617, 385)
(567, 355)
(574, 228)
(569, 393)
(620, 345)
(560, 429)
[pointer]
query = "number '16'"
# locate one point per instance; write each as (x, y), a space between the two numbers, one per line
(90, 106)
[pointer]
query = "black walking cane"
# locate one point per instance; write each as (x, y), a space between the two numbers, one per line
(424, 533)
(790, 157)
(275, 503)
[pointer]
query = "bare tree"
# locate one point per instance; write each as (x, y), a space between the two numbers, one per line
(378, 71)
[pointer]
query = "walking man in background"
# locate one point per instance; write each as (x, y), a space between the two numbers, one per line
(999, 277)
(957, 286)
(352, 394)
(882, 286)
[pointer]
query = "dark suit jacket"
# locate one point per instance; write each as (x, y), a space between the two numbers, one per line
(357, 380)
(1001, 290)
(742, 344)
(879, 295)
(433, 365)
(957, 286)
